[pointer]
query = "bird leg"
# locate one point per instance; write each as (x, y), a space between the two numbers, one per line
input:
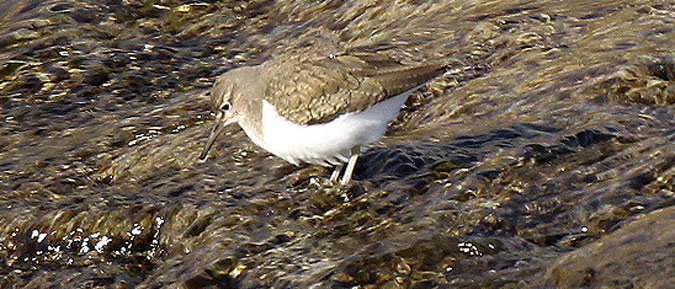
(336, 173)
(350, 166)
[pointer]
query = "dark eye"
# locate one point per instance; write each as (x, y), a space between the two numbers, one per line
(226, 106)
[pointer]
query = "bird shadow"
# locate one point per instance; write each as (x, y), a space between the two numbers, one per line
(403, 161)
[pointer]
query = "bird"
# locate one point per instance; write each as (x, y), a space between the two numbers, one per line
(319, 110)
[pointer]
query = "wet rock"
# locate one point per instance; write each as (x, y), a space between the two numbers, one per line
(20, 35)
(548, 136)
(632, 264)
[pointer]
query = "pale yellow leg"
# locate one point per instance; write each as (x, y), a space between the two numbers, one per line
(336, 173)
(350, 166)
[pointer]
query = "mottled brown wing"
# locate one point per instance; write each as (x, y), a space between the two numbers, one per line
(319, 90)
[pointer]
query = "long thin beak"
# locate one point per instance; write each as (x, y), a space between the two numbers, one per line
(217, 129)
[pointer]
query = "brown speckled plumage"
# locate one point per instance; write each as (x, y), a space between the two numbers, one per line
(311, 91)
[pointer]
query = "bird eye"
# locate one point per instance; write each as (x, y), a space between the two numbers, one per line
(226, 106)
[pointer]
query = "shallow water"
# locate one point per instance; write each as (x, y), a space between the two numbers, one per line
(544, 157)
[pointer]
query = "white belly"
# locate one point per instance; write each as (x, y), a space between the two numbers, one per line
(327, 143)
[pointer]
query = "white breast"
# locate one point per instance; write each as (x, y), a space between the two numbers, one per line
(327, 143)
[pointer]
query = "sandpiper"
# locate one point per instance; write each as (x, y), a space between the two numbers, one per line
(316, 110)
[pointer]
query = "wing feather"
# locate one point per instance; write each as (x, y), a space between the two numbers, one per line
(311, 91)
